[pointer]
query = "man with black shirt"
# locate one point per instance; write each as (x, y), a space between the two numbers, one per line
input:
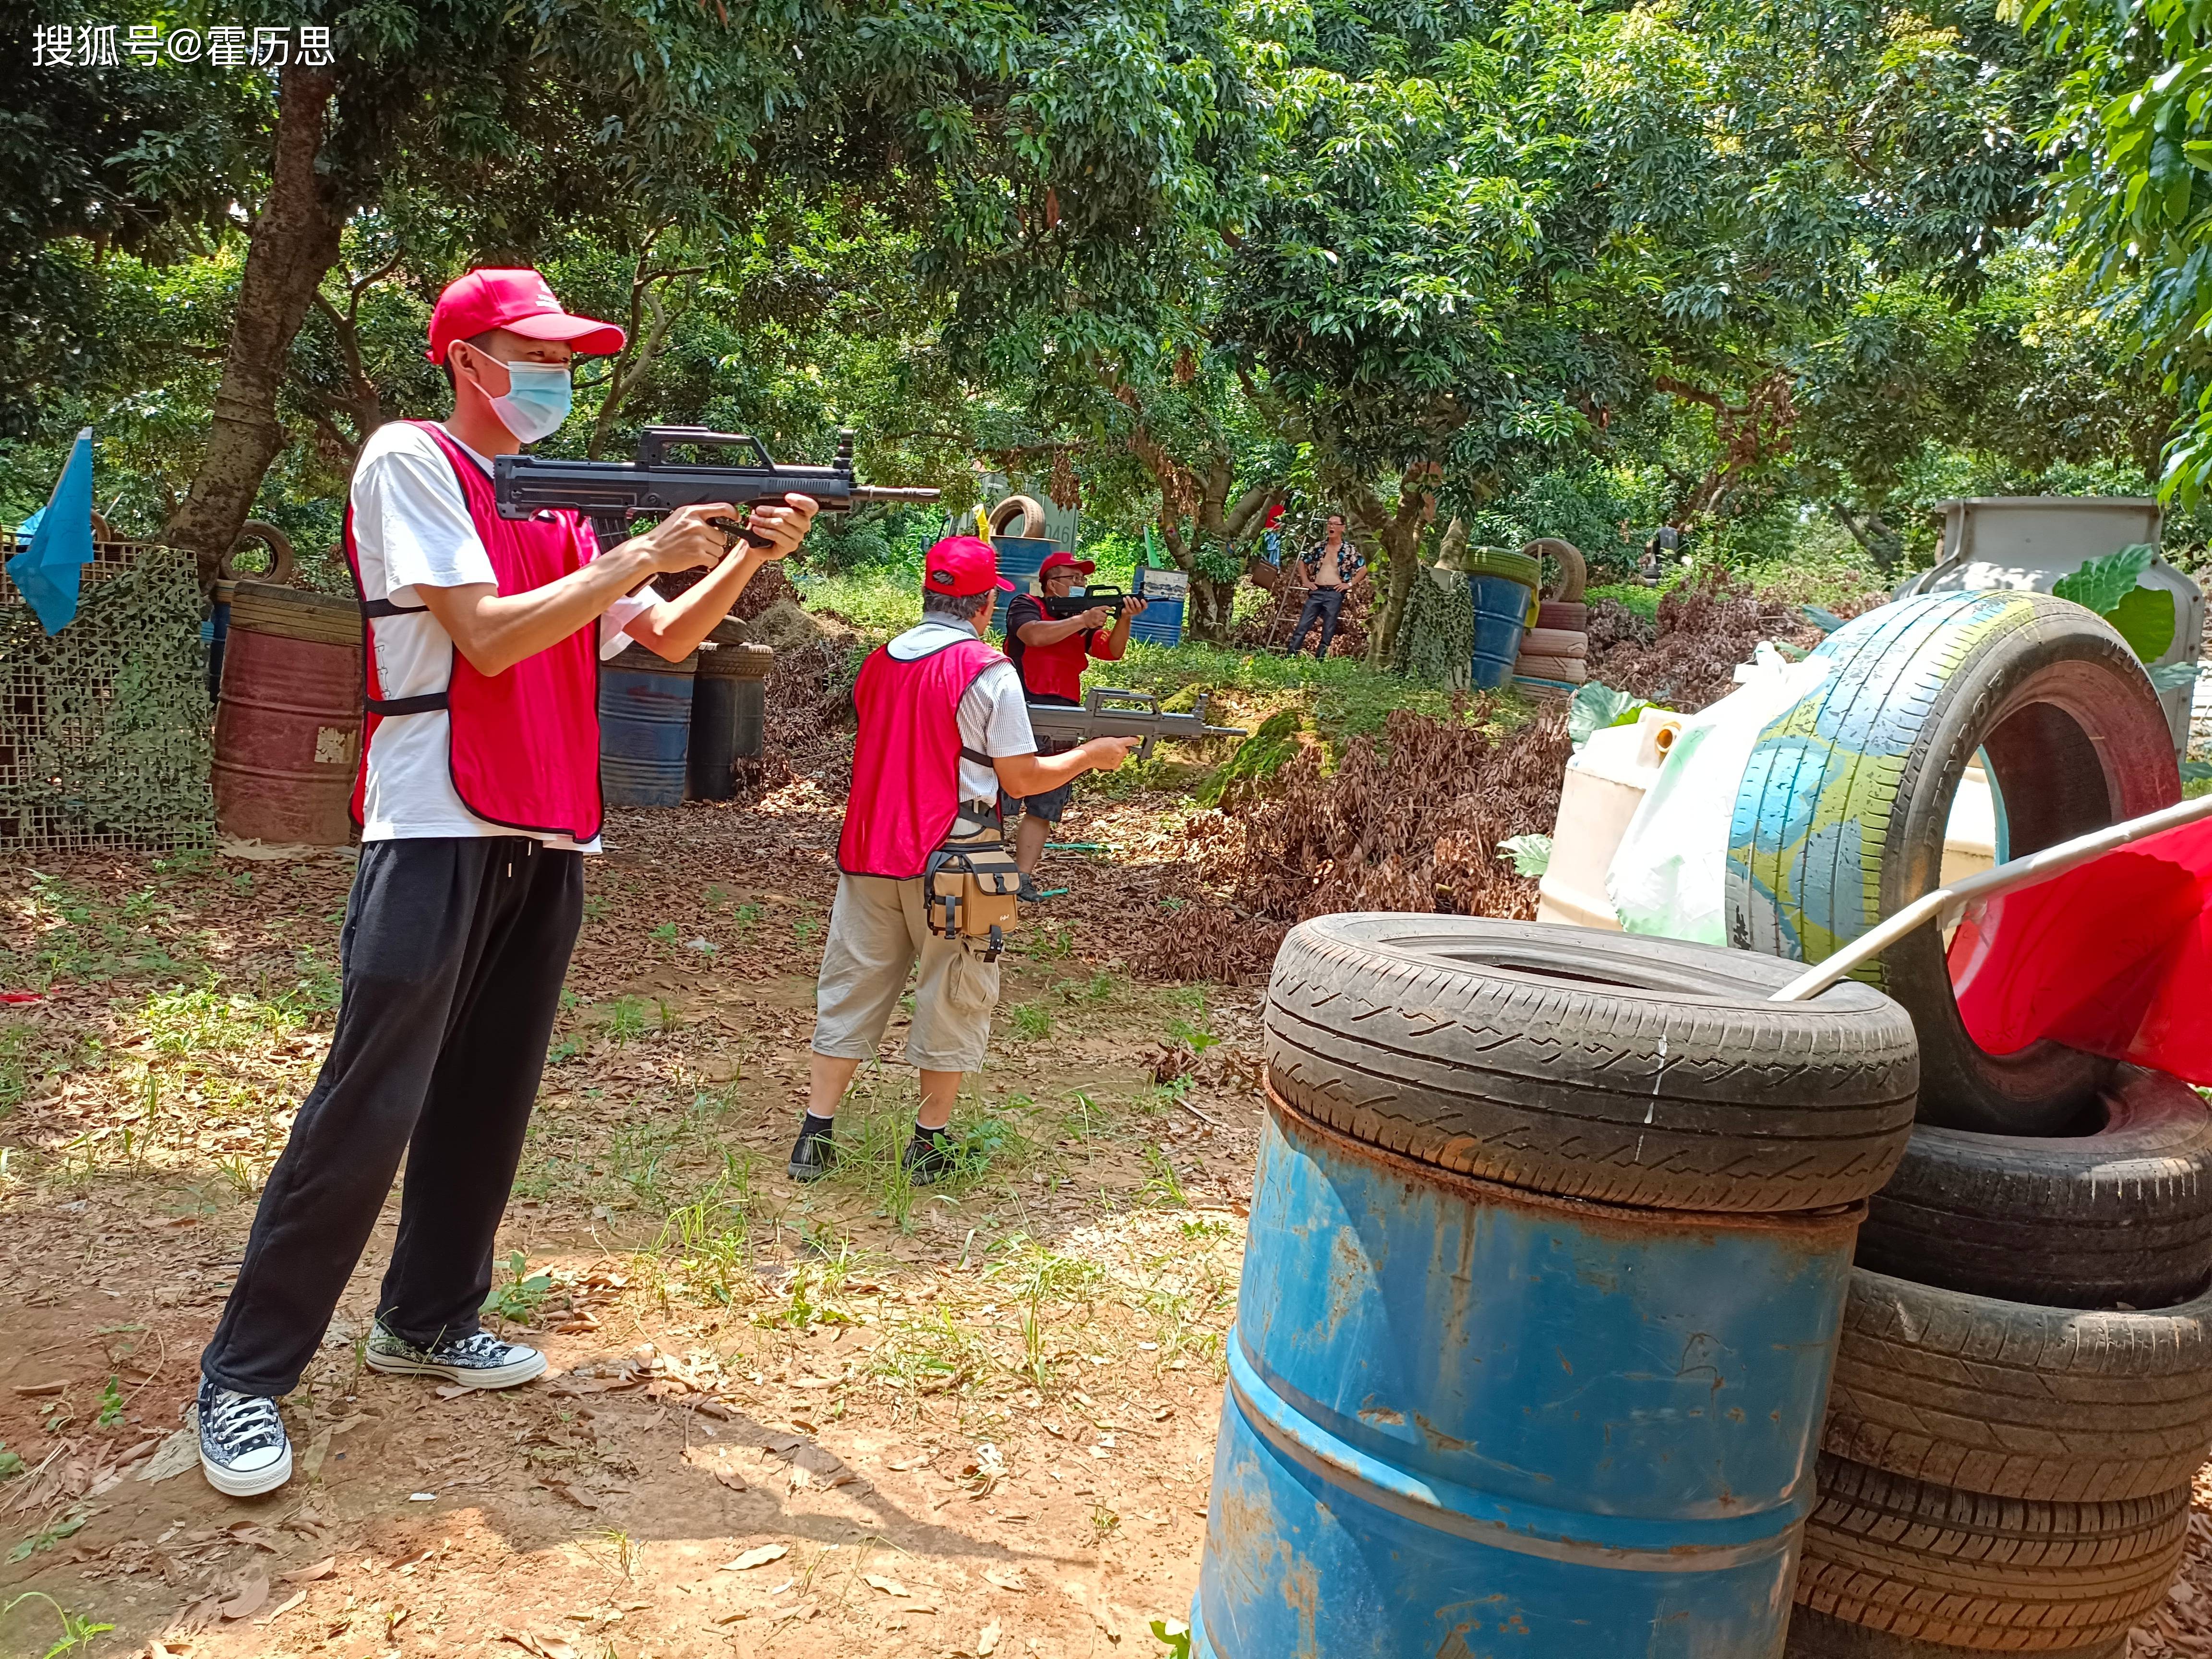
(1050, 655)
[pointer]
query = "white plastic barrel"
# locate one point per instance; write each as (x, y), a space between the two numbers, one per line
(1605, 782)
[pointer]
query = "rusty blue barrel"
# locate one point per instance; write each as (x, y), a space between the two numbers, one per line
(1464, 1419)
(645, 728)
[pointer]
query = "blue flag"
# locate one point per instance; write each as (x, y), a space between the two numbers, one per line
(46, 572)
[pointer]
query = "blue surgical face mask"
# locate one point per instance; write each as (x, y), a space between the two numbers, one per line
(538, 398)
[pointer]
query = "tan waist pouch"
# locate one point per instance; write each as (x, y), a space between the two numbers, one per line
(970, 891)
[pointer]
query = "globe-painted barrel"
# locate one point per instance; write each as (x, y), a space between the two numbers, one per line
(1501, 617)
(1465, 1420)
(645, 728)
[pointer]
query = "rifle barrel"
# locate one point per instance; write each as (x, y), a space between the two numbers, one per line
(886, 493)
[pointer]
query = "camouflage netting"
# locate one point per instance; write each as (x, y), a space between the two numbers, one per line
(104, 735)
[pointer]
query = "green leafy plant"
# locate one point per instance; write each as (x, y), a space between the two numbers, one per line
(1163, 1187)
(519, 1298)
(111, 1403)
(49, 1535)
(2143, 617)
(1596, 705)
(2101, 583)
(1174, 1636)
(77, 1630)
(11, 1465)
(1531, 854)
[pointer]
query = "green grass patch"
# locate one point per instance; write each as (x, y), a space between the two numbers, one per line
(1630, 596)
(873, 599)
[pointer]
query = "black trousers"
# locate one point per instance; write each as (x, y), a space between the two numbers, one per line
(452, 957)
(1322, 605)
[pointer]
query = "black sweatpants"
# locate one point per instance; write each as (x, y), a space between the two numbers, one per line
(452, 955)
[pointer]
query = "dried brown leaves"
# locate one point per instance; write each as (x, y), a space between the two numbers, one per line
(1704, 632)
(1409, 821)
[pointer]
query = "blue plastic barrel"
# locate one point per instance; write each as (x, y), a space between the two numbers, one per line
(1501, 617)
(1019, 557)
(1466, 1420)
(1165, 594)
(645, 728)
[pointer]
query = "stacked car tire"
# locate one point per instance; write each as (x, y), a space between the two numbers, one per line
(2023, 1390)
(2023, 1387)
(1555, 651)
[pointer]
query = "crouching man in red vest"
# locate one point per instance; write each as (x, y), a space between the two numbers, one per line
(944, 727)
(478, 797)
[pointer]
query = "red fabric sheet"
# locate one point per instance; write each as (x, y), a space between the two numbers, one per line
(2114, 958)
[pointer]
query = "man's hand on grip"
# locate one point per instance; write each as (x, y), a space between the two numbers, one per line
(689, 538)
(1107, 754)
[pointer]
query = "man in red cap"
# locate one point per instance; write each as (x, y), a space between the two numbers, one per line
(943, 729)
(1050, 653)
(477, 797)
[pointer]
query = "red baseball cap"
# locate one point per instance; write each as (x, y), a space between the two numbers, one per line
(519, 301)
(1060, 557)
(961, 565)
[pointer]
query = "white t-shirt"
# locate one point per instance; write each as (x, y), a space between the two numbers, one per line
(993, 713)
(410, 526)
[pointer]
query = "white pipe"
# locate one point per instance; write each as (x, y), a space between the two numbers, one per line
(2020, 872)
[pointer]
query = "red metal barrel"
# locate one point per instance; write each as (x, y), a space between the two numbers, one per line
(287, 729)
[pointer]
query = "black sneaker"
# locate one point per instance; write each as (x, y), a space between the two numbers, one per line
(813, 1155)
(929, 1158)
(478, 1360)
(244, 1451)
(1028, 892)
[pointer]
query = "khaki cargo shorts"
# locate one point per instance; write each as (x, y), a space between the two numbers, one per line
(876, 933)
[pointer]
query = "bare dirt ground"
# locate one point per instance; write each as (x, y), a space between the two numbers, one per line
(855, 1420)
(852, 1419)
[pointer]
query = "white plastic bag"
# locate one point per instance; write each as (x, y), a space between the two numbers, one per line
(1668, 876)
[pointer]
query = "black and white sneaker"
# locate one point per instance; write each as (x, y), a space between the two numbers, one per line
(243, 1449)
(814, 1154)
(929, 1158)
(478, 1360)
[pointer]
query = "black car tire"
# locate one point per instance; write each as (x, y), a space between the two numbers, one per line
(2121, 1215)
(1959, 1568)
(1590, 1065)
(1814, 1635)
(2020, 1401)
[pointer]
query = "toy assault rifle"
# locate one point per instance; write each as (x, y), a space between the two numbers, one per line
(612, 493)
(1130, 714)
(1060, 609)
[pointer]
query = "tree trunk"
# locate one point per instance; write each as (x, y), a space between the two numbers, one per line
(1212, 602)
(1398, 535)
(1393, 611)
(293, 242)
